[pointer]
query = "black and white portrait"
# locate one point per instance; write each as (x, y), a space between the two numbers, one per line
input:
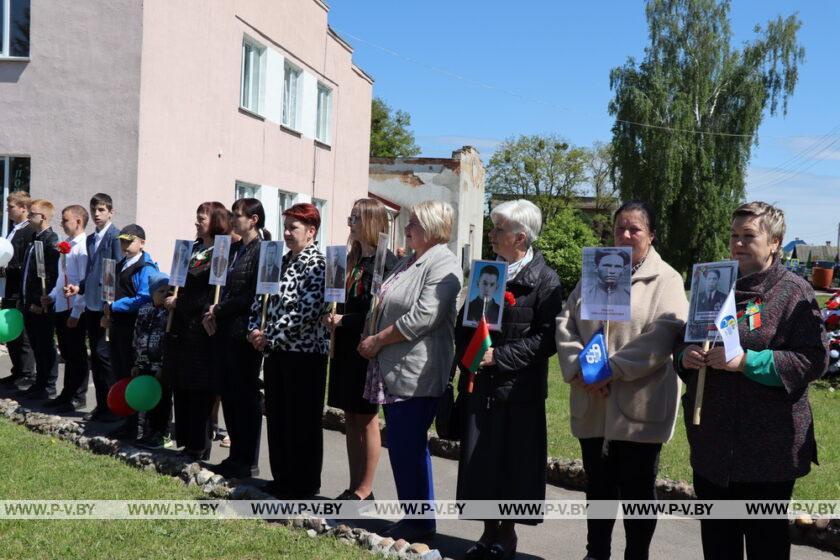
(486, 294)
(180, 262)
(109, 280)
(219, 261)
(336, 279)
(710, 285)
(606, 282)
(271, 262)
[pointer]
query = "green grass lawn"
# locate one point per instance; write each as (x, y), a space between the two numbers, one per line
(35, 466)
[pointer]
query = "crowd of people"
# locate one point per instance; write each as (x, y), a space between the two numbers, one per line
(400, 345)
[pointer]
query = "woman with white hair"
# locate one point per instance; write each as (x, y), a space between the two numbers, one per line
(503, 448)
(410, 351)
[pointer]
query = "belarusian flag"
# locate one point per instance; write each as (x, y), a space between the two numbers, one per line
(479, 344)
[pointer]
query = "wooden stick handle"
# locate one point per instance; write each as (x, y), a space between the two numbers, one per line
(264, 308)
(332, 335)
(217, 294)
(171, 313)
(701, 385)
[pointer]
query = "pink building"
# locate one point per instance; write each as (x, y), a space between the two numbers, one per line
(167, 104)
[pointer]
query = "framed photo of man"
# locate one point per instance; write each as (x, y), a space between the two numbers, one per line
(109, 280)
(710, 285)
(379, 264)
(270, 265)
(180, 262)
(219, 261)
(605, 283)
(486, 295)
(336, 280)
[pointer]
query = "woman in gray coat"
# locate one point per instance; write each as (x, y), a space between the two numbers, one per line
(411, 352)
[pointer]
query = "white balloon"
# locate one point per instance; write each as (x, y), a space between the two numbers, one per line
(6, 251)
(834, 354)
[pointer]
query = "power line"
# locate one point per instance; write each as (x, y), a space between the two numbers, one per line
(532, 99)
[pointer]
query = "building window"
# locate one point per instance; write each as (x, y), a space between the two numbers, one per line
(321, 205)
(14, 176)
(14, 28)
(252, 75)
(245, 190)
(322, 126)
(291, 96)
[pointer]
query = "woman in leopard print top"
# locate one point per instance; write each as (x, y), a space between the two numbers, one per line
(295, 344)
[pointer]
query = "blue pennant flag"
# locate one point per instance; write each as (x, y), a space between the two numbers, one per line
(594, 360)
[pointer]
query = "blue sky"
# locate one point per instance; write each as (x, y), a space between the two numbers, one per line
(479, 72)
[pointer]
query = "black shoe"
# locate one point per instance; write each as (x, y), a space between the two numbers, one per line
(11, 381)
(197, 454)
(498, 552)
(101, 415)
(478, 551)
(127, 431)
(57, 402)
(410, 530)
(232, 470)
(79, 403)
(35, 392)
(349, 495)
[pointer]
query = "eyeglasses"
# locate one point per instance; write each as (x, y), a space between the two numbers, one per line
(353, 220)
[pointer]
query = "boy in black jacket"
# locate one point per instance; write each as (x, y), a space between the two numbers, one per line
(36, 320)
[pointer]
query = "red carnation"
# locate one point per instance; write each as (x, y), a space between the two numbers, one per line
(510, 299)
(64, 247)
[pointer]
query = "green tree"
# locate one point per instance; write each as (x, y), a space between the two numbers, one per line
(604, 189)
(390, 135)
(703, 102)
(562, 239)
(545, 169)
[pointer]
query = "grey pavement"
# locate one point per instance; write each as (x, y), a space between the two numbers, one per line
(554, 539)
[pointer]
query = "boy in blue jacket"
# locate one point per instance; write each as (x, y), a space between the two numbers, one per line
(132, 291)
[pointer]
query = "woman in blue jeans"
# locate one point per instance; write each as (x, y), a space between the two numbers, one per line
(411, 352)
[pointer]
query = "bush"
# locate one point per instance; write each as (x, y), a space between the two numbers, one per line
(562, 241)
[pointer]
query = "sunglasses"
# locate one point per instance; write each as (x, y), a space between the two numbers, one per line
(353, 220)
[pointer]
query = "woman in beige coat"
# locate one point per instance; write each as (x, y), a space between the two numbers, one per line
(622, 422)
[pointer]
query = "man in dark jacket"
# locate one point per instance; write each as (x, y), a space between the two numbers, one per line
(20, 236)
(37, 321)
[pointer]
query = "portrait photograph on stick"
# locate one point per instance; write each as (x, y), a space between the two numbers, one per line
(605, 278)
(486, 294)
(180, 262)
(336, 279)
(271, 261)
(710, 285)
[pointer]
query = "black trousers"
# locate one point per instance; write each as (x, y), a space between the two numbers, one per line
(41, 331)
(71, 344)
(157, 419)
(240, 377)
(766, 539)
(20, 351)
(627, 471)
(294, 398)
(100, 358)
(192, 419)
(122, 345)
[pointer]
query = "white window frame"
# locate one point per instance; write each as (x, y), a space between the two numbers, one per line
(246, 190)
(321, 205)
(255, 80)
(291, 113)
(323, 114)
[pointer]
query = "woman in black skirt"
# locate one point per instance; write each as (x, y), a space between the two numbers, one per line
(237, 362)
(348, 369)
(503, 449)
(188, 357)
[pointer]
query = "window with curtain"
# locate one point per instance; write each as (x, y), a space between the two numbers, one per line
(291, 94)
(14, 28)
(322, 126)
(14, 176)
(252, 54)
(244, 190)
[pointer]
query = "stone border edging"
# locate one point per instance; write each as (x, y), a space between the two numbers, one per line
(818, 532)
(213, 485)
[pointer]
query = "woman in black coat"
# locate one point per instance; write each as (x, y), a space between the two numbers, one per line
(237, 362)
(348, 370)
(503, 448)
(188, 358)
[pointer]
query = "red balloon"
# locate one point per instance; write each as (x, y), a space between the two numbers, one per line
(116, 398)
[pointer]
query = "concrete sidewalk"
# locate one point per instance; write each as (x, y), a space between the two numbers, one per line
(551, 540)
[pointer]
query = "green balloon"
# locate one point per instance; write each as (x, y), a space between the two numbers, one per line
(143, 393)
(11, 325)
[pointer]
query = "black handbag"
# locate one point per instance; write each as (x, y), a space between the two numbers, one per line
(449, 420)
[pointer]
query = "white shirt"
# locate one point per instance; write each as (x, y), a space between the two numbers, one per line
(71, 266)
(11, 234)
(514, 267)
(132, 260)
(98, 235)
